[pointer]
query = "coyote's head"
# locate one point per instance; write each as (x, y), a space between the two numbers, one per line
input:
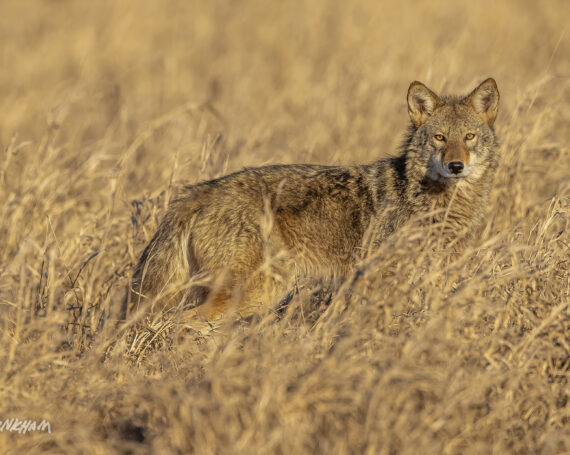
(454, 134)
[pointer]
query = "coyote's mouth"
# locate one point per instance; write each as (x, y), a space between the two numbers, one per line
(440, 172)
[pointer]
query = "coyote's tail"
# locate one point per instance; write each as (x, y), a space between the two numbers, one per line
(163, 266)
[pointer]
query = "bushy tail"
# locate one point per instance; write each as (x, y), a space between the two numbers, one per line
(163, 267)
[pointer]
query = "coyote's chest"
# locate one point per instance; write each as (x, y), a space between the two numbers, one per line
(456, 206)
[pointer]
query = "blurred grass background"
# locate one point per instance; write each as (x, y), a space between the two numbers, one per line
(109, 106)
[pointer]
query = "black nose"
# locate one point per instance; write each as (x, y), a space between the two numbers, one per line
(456, 167)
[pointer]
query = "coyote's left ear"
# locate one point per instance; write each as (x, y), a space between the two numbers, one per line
(485, 100)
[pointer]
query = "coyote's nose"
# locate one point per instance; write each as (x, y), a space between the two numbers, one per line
(456, 167)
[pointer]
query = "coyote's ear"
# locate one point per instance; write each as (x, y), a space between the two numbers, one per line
(485, 100)
(421, 102)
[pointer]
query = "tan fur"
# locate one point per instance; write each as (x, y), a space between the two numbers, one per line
(309, 220)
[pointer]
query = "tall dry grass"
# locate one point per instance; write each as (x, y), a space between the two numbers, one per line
(108, 106)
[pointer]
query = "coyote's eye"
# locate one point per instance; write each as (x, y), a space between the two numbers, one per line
(469, 136)
(439, 137)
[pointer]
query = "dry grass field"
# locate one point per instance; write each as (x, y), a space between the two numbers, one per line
(108, 107)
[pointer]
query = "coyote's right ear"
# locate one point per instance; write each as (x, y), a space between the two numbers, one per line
(421, 102)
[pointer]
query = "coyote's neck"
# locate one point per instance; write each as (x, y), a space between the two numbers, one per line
(404, 191)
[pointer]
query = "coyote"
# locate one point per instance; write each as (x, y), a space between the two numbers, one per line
(310, 220)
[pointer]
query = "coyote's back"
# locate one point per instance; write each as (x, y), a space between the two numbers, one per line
(219, 239)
